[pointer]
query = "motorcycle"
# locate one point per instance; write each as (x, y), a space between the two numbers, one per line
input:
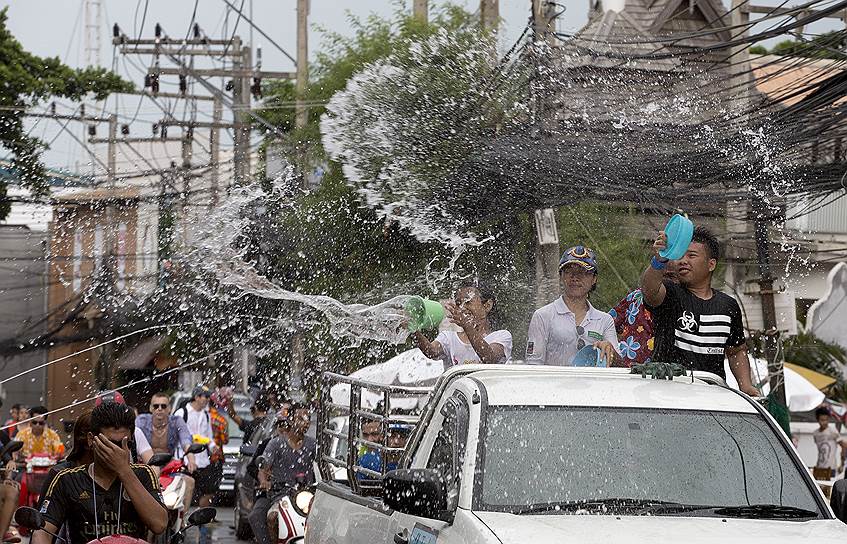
(173, 487)
(37, 469)
(287, 517)
(34, 521)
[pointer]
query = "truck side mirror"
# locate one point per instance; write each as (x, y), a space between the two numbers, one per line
(416, 491)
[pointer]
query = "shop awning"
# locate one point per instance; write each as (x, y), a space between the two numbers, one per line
(821, 381)
(142, 354)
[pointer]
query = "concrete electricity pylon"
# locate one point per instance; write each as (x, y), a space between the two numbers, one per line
(93, 9)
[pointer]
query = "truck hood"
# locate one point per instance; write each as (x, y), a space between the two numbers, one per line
(588, 529)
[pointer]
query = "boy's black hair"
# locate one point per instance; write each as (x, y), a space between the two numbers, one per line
(111, 415)
(38, 411)
(821, 412)
(17, 406)
(705, 237)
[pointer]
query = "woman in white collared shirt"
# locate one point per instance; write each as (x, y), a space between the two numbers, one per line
(562, 328)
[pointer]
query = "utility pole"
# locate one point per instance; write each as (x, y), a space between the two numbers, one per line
(298, 356)
(420, 10)
(742, 79)
(302, 114)
(215, 158)
(243, 77)
(107, 354)
(489, 13)
(547, 286)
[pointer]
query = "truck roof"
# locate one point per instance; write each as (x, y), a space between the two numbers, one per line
(533, 385)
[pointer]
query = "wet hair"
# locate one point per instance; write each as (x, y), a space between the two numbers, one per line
(79, 444)
(38, 411)
(111, 415)
(704, 236)
(486, 293)
(821, 412)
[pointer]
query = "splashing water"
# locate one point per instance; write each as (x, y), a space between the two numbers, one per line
(216, 247)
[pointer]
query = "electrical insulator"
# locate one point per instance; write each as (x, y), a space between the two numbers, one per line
(196, 31)
(155, 128)
(256, 88)
(158, 30)
(230, 85)
(92, 130)
(183, 84)
(164, 132)
(154, 84)
(125, 130)
(116, 31)
(82, 110)
(52, 108)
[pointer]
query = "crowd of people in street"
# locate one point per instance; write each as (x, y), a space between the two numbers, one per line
(112, 443)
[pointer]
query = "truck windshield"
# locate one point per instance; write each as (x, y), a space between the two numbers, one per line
(536, 456)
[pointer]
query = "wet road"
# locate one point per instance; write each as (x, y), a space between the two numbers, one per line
(222, 530)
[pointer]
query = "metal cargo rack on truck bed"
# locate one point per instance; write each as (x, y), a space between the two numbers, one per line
(331, 439)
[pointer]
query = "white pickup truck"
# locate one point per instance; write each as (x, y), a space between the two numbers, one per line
(533, 454)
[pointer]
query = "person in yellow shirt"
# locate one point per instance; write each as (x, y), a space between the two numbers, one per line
(38, 438)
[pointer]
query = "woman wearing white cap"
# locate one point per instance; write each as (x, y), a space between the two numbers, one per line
(568, 324)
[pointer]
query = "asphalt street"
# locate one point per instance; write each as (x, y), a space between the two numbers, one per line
(222, 530)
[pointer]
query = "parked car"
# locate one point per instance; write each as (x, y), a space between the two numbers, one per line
(232, 457)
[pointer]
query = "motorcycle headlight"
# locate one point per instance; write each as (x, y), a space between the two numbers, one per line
(303, 502)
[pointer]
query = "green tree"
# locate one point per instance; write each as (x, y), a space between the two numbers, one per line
(27, 79)
(828, 45)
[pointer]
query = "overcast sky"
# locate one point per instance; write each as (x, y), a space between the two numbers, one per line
(57, 28)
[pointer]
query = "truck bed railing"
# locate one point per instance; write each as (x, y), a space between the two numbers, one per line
(355, 415)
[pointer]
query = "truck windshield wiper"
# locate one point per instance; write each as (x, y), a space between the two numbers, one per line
(616, 505)
(765, 511)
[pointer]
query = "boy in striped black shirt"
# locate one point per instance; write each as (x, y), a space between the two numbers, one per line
(695, 325)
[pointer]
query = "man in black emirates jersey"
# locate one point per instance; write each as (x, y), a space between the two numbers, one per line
(110, 495)
(694, 325)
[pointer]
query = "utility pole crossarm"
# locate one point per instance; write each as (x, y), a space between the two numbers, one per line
(213, 72)
(171, 51)
(123, 40)
(194, 124)
(133, 140)
(86, 118)
(149, 94)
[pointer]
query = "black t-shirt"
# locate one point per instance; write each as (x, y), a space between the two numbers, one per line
(694, 332)
(70, 500)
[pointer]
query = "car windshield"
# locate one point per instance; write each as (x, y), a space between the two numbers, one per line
(536, 456)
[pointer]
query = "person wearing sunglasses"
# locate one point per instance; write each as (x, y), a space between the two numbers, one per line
(562, 328)
(39, 438)
(478, 340)
(166, 433)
